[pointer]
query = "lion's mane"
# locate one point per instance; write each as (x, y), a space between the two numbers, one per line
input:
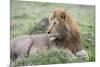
(70, 34)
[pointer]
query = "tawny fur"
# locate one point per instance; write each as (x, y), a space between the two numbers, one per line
(29, 44)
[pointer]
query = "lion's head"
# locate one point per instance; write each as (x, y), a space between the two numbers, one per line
(62, 27)
(58, 26)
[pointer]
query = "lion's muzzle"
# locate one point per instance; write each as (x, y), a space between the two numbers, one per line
(53, 36)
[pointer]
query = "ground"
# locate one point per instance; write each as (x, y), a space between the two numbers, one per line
(26, 15)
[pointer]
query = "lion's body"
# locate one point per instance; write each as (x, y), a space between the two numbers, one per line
(41, 43)
(29, 44)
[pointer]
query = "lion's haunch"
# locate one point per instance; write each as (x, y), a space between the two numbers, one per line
(29, 44)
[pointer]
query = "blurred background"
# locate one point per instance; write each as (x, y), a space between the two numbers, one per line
(26, 18)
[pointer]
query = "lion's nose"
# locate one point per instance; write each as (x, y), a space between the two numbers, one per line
(48, 32)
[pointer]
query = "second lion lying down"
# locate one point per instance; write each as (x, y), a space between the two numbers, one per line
(62, 33)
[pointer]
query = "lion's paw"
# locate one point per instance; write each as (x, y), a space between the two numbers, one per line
(82, 54)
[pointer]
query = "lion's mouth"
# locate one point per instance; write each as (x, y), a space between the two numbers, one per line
(53, 36)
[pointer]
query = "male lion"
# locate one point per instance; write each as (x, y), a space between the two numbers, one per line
(62, 33)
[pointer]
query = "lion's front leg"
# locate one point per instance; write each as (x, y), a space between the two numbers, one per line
(82, 54)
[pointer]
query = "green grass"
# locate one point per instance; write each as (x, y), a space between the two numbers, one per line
(26, 15)
(52, 56)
